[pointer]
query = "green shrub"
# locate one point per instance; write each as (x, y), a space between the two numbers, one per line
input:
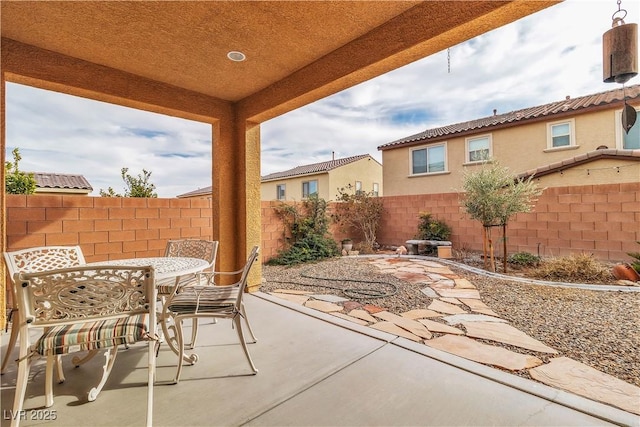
(524, 259)
(430, 228)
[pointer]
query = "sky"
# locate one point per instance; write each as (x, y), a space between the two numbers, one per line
(539, 59)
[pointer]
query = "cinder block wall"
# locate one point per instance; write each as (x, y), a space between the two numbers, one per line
(600, 219)
(105, 228)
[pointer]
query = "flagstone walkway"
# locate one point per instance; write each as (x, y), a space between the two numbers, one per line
(455, 322)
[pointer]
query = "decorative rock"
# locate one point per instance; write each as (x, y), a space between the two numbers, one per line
(351, 305)
(443, 307)
(507, 334)
(482, 353)
(401, 250)
(440, 328)
(395, 330)
(372, 308)
(583, 380)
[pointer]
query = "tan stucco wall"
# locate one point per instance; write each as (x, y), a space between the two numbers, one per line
(366, 170)
(521, 148)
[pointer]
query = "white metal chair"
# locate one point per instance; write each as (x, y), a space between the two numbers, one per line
(194, 301)
(84, 308)
(194, 248)
(35, 260)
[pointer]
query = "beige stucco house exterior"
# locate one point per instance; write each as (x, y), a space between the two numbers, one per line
(357, 173)
(57, 183)
(575, 141)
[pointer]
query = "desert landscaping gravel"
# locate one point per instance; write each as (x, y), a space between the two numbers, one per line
(598, 328)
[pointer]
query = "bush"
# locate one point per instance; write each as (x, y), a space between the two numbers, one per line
(432, 229)
(636, 260)
(574, 268)
(309, 248)
(524, 259)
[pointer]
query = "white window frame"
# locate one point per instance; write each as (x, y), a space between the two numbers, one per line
(284, 191)
(358, 187)
(308, 185)
(375, 189)
(572, 134)
(620, 132)
(489, 148)
(427, 148)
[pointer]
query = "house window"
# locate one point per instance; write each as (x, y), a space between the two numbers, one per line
(309, 188)
(479, 149)
(627, 140)
(376, 189)
(560, 134)
(428, 160)
(280, 190)
(358, 187)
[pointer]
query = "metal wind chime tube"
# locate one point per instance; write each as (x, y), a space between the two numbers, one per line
(620, 58)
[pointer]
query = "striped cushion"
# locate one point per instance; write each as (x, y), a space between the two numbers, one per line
(165, 287)
(205, 299)
(93, 335)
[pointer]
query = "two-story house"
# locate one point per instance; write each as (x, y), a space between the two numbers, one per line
(360, 173)
(575, 141)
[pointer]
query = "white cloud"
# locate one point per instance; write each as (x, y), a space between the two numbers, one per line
(539, 59)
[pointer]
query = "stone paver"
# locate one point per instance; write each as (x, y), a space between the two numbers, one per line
(292, 291)
(329, 298)
(394, 329)
(507, 334)
(416, 328)
(326, 307)
(459, 293)
(446, 308)
(464, 284)
(483, 353)
(455, 301)
(583, 380)
(429, 292)
(420, 314)
(363, 314)
(298, 299)
(438, 327)
(350, 318)
(456, 319)
(478, 306)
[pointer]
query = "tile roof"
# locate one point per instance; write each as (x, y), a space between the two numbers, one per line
(631, 155)
(205, 191)
(61, 181)
(565, 107)
(314, 168)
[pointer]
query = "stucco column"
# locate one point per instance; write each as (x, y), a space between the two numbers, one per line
(236, 194)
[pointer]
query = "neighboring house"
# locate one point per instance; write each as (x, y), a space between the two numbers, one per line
(571, 142)
(360, 173)
(200, 193)
(58, 183)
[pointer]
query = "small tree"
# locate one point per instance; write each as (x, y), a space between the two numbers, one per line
(136, 186)
(16, 181)
(492, 195)
(361, 211)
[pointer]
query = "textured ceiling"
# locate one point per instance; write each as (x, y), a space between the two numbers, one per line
(185, 43)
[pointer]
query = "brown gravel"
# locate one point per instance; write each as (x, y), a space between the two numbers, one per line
(600, 329)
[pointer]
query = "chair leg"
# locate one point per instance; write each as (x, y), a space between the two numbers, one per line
(110, 358)
(21, 387)
(59, 369)
(13, 339)
(182, 358)
(238, 324)
(151, 366)
(77, 361)
(48, 380)
(194, 333)
(246, 321)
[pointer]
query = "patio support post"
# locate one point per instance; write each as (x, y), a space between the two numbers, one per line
(3, 205)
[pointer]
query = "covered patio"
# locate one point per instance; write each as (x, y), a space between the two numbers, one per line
(314, 369)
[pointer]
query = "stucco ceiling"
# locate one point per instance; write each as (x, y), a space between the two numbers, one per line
(295, 46)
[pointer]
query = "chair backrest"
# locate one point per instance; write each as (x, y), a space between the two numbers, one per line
(84, 293)
(41, 258)
(242, 283)
(194, 248)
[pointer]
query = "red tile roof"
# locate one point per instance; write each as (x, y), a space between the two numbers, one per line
(565, 107)
(314, 168)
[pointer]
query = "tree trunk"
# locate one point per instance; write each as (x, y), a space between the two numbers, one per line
(504, 248)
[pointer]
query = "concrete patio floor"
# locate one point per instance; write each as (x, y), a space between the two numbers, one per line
(314, 370)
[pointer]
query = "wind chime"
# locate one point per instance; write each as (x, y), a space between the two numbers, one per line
(620, 59)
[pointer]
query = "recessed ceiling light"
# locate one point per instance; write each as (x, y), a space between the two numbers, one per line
(236, 56)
